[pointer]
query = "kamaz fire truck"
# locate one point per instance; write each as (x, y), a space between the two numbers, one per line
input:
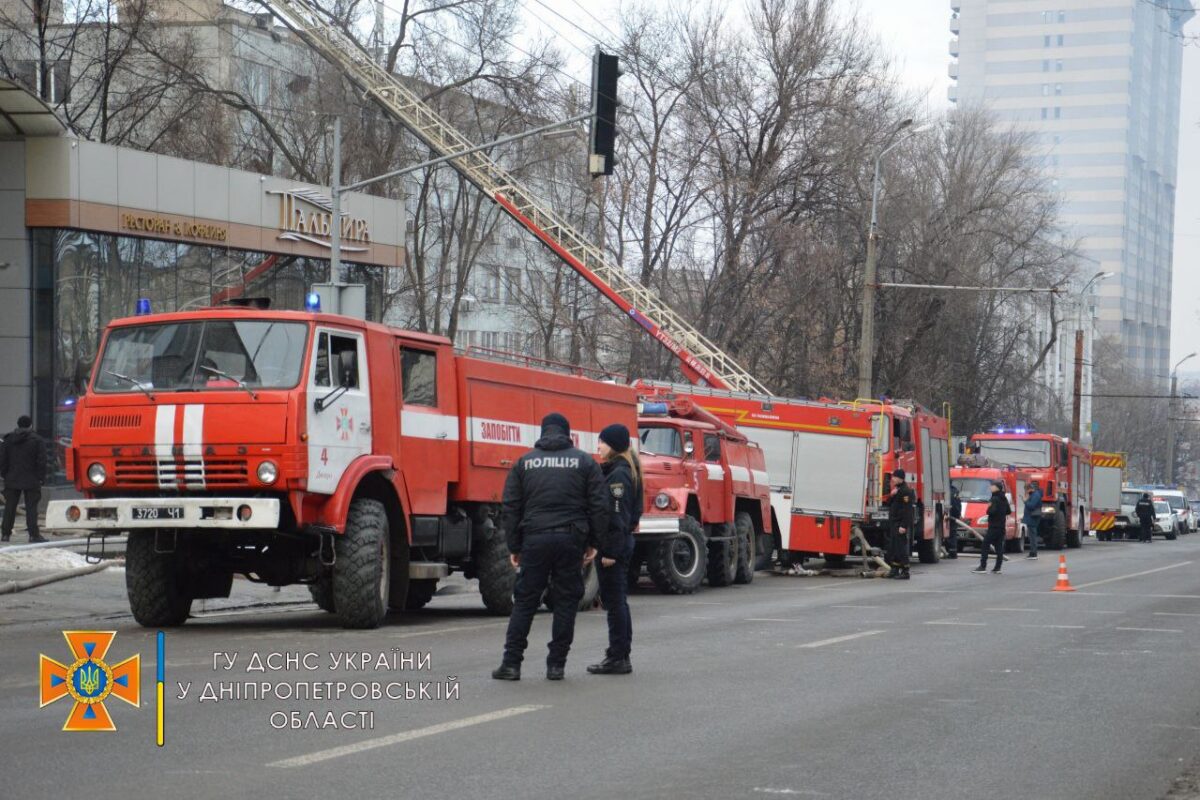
(295, 447)
(1063, 470)
(707, 497)
(973, 477)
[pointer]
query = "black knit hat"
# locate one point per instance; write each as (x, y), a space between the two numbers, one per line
(898, 473)
(555, 420)
(616, 436)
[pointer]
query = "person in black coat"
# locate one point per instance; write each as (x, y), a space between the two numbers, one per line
(23, 467)
(555, 505)
(902, 504)
(997, 516)
(956, 511)
(624, 476)
(1146, 516)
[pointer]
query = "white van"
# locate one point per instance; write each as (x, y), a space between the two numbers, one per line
(1177, 500)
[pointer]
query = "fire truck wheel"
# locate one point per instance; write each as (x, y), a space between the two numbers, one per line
(496, 576)
(1075, 537)
(677, 566)
(929, 551)
(1058, 533)
(362, 574)
(420, 592)
(635, 570)
(157, 596)
(723, 559)
(322, 593)
(745, 549)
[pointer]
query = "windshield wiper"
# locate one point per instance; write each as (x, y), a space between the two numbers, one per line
(241, 384)
(134, 383)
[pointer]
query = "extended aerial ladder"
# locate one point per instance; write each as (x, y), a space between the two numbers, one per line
(700, 359)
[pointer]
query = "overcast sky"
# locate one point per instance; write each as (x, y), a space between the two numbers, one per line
(917, 33)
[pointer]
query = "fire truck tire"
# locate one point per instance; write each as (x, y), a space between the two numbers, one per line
(362, 574)
(677, 566)
(420, 592)
(834, 560)
(929, 551)
(157, 597)
(322, 593)
(635, 570)
(745, 542)
(497, 578)
(1058, 532)
(723, 559)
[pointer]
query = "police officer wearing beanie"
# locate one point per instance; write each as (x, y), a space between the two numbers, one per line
(623, 474)
(555, 505)
(902, 504)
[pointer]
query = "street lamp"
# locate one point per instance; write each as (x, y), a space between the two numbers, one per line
(866, 347)
(1076, 398)
(1171, 421)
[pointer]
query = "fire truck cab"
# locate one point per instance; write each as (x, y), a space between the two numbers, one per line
(301, 447)
(973, 478)
(1063, 470)
(707, 497)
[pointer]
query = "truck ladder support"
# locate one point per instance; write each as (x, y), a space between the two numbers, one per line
(700, 359)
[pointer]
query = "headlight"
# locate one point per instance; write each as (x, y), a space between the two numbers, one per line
(97, 474)
(981, 521)
(1049, 509)
(268, 472)
(662, 500)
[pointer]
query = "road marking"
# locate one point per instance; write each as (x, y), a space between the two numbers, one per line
(1132, 575)
(404, 736)
(1151, 630)
(1117, 613)
(1176, 727)
(803, 792)
(1067, 627)
(1174, 614)
(838, 639)
(771, 619)
(949, 622)
(1035, 610)
(848, 606)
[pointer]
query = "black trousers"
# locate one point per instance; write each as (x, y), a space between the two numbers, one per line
(614, 593)
(1147, 530)
(546, 558)
(992, 540)
(32, 497)
(899, 548)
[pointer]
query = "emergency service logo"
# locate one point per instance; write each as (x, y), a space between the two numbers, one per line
(344, 424)
(89, 680)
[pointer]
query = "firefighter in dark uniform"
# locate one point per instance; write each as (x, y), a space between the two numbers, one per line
(623, 474)
(1146, 516)
(555, 505)
(902, 504)
(956, 511)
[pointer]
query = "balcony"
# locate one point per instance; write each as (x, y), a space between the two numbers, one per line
(952, 94)
(952, 70)
(955, 26)
(954, 47)
(955, 6)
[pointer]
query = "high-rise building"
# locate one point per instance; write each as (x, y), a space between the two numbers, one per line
(1096, 84)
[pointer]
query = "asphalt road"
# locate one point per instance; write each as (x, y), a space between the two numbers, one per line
(951, 685)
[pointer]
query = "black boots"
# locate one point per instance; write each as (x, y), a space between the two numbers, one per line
(555, 672)
(611, 666)
(507, 672)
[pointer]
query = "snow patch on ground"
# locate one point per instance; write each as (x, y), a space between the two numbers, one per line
(48, 560)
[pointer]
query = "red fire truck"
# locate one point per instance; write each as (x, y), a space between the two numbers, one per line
(1063, 470)
(973, 478)
(707, 497)
(296, 447)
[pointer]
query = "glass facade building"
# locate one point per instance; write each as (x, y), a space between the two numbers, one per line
(1096, 85)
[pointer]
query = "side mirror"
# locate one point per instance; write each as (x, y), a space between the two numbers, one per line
(347, 367)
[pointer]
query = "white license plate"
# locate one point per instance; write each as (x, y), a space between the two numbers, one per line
(158, 512)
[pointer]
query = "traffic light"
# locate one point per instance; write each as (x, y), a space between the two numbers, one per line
(603, 136)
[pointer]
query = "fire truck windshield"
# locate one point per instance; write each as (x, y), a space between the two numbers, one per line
(660, 442)
(1016, 452)
(973, 490)
(203, 355)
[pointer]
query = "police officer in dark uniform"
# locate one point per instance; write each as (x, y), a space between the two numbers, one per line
(622, 472)
(1146, 515)
(997, 524)
(555, 504)
(955, 515)
(901, 503)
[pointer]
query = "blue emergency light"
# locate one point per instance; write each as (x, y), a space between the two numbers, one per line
(653, 409)
(143, 306)
(312, 302)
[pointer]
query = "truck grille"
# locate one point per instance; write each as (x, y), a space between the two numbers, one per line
(194, 473)
(115, 421)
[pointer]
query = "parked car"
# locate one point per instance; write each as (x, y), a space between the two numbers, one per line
(1177, 500)
(1127, 522)
(1167, 523)
(1195, 506)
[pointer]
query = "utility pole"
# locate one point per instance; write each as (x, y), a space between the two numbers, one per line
(335, 222)
(1077, 394)
(1171, 420)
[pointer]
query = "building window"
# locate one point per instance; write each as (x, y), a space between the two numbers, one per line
(1046, 40)
(1045, 65)
(51, 87)
(1045, 113)
(1058, 65)
(1060, 40)
(1058, 89)
(1057, 112)
(1062, 17)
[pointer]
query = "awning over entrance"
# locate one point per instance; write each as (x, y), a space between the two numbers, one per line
(23, 115)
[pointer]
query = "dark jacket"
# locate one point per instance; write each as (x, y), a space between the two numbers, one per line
(1145, 510)
(625, 509)
(955, 503)
(555, 487)
(997, 512)
(1033, 507)
(23, 460)
(902, 505)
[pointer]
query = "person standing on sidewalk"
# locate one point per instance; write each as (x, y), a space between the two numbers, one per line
(902, 504)
(623, 474)
(1032, 517)
(23, 467)
(997, 517)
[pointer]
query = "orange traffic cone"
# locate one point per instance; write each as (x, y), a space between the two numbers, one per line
(1064, 583)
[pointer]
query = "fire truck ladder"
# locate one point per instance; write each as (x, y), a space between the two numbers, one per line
(700, 359)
